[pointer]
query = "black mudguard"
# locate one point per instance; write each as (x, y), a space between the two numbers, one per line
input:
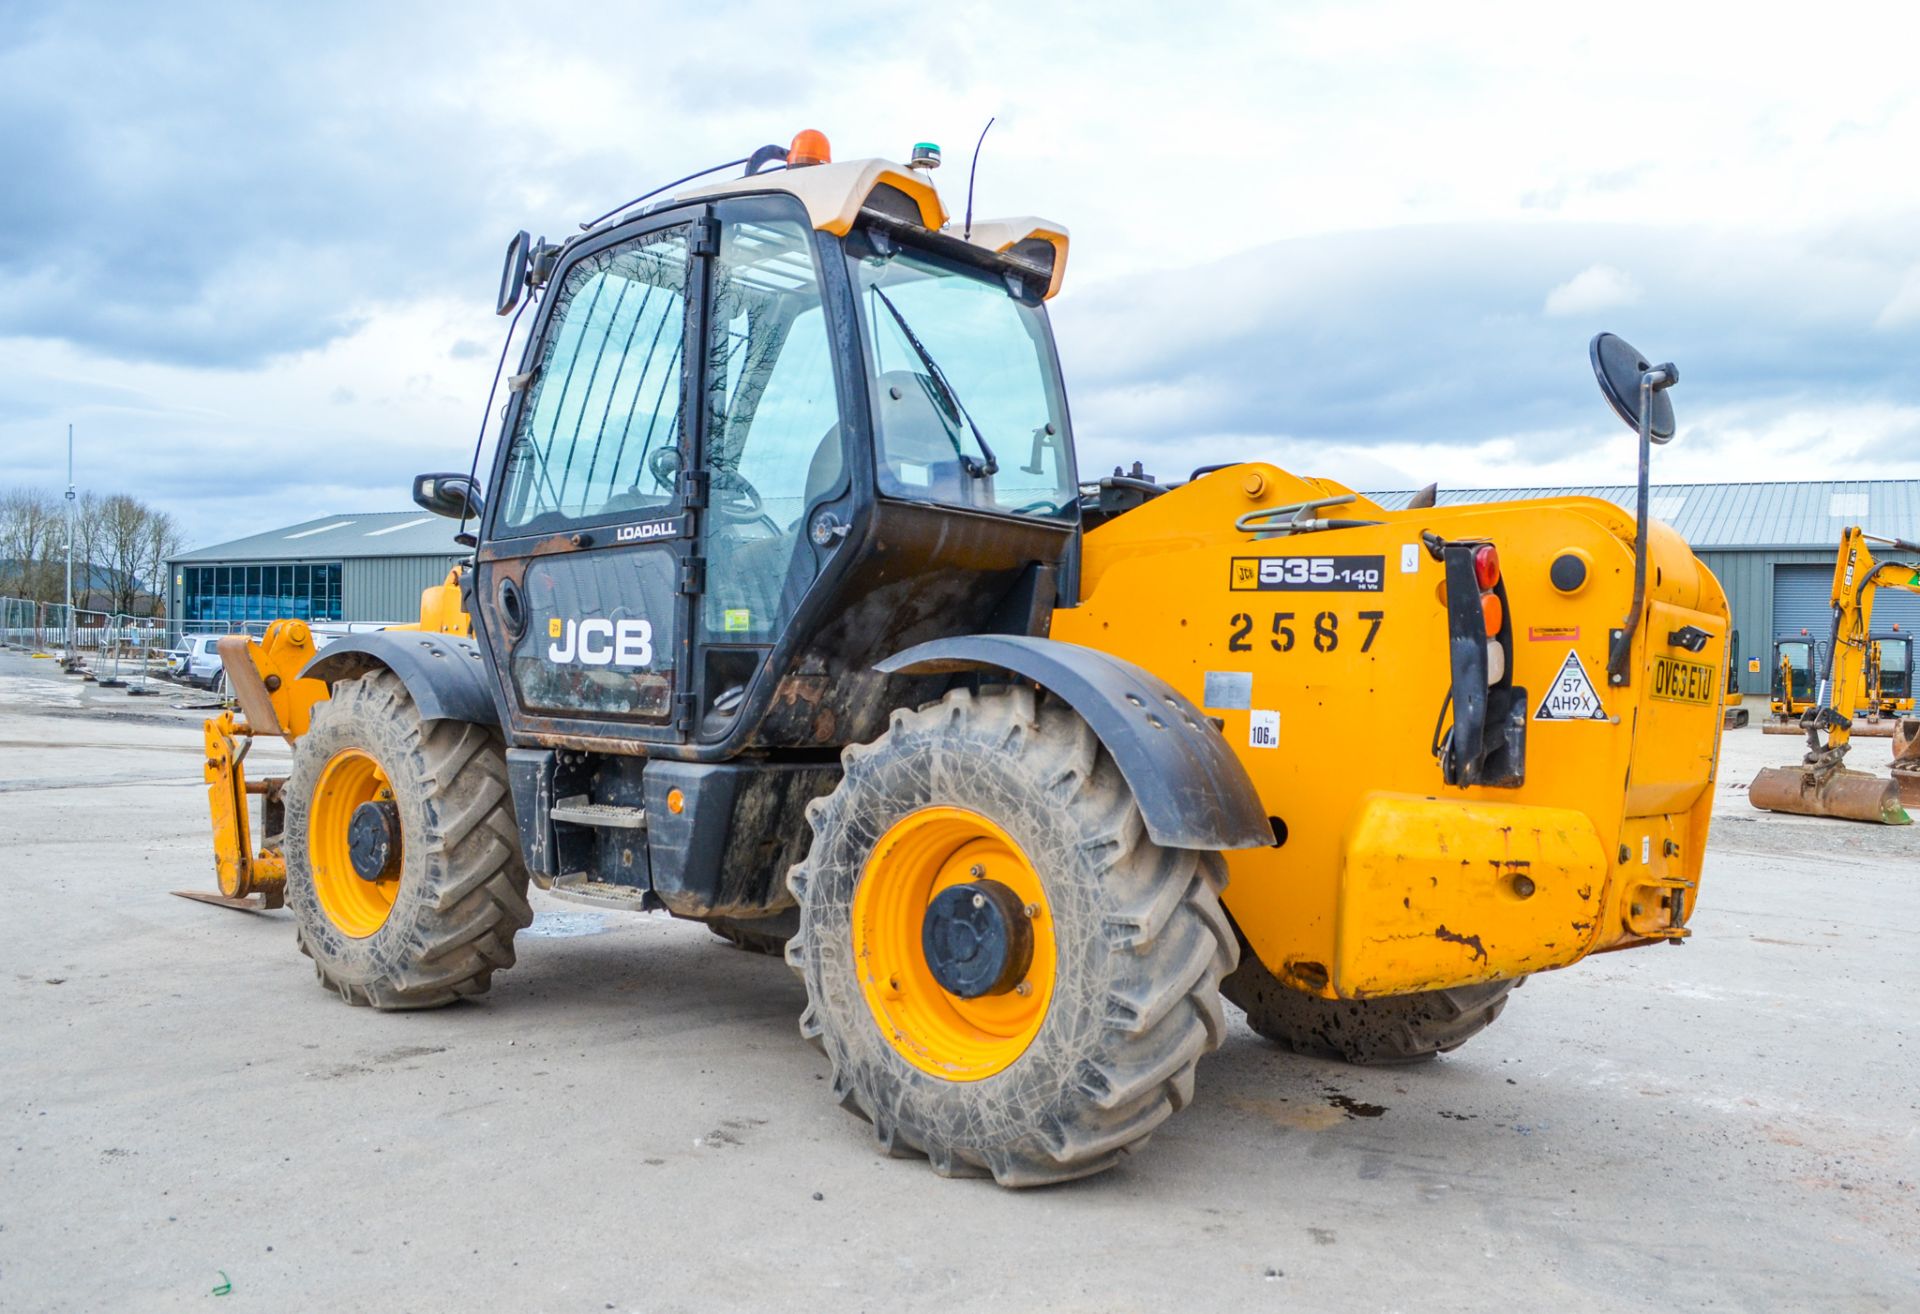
(1192, 791)
(444, 673)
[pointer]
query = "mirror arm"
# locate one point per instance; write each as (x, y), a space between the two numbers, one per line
(1657, 379)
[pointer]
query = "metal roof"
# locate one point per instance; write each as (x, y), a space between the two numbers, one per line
(336, 538)
(1760, 515)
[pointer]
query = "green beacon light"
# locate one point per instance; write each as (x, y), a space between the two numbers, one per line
(926, 155)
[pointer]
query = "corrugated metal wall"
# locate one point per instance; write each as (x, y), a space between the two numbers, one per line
(388, 588)
(1748, 579)
(1802, 594)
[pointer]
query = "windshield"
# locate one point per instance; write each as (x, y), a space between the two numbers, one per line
(967, 409)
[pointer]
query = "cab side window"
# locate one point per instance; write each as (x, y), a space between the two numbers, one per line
(599, 434)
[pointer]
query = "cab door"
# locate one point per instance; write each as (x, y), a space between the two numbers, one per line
(585, 576)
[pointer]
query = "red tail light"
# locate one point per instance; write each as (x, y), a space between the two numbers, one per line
(1486, 566)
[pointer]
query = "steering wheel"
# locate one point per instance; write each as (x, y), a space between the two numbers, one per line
(734, 498)
(664, 466)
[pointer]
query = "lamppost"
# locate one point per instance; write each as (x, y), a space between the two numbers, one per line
(71, 632)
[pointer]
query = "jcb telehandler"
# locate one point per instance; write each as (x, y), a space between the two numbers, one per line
(791, 613)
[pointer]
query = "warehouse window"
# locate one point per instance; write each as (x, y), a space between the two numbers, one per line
(235, 595)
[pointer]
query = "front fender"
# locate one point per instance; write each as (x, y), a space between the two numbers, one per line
(444, 673)
(1192, 791)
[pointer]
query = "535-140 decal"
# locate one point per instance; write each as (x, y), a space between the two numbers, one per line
(1355, 574)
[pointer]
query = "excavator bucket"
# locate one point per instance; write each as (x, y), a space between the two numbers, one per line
(1906, 759)
(1847, 795)
(1862, 728)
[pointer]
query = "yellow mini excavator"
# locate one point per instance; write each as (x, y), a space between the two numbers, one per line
(1733, 714)
(1889, 678)
(793, 614)
(1822, 786)
(1794, 660)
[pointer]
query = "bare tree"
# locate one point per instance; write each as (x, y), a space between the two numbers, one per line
(123, 534)
(89, 550)
(120, 549)
(164, 541)
(30, 530)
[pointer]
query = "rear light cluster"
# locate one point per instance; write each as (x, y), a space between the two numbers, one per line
(1493, 612)
(1486, 742)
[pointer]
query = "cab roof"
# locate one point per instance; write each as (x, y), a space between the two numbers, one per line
(835, 195)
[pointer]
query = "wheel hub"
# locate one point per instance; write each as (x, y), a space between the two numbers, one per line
(958, 988)
(371, 833)
(355, 848)
(977, 939)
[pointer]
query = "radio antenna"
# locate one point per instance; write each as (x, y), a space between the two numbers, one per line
(967, 232)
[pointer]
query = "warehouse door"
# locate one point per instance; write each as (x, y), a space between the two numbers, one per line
(1800, 601)
(1800, 607)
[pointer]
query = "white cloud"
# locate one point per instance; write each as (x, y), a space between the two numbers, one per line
(1903, 308)
(1595, 288)
(369, 170)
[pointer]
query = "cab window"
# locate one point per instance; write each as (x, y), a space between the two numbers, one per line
(773, 426)
(967, 406)
(599, 432)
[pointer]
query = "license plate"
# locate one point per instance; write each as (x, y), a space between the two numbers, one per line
(1684, 682)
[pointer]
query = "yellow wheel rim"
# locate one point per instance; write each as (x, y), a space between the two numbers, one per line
(357, 907)
(922, 854)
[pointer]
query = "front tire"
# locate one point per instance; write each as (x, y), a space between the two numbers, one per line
(441, 921)
(1064, 1074)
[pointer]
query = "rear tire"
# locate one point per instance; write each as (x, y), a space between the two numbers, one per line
(461, 890)
(1394, 1029)
(1139, 944)
(757, 935)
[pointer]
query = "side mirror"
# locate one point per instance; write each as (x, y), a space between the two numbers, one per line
(513, 273)
(452, 495)
(1637, 391)
(1621, 371)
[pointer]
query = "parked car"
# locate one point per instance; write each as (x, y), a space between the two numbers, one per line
(196, 661)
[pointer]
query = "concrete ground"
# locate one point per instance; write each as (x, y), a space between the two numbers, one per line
(631, 1121)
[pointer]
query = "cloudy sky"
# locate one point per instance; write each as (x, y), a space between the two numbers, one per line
(250, 251)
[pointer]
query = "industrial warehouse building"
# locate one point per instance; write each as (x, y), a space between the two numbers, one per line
(337, 568)
(1771, 546)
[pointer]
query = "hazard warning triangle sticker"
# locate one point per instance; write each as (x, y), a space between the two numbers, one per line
(1571, 696)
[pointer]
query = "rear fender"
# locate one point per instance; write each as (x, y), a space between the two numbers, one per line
(444, 673)
(1192, 791)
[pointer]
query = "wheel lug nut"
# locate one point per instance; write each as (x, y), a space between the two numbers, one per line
(976, 871)
(1024, 989)
(1031, 910)
(979, 901)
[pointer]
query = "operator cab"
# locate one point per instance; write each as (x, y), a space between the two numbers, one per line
(766, 433)
(1893, 652)
(1798, 657)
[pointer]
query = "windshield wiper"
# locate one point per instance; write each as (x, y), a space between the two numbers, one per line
(951, 399)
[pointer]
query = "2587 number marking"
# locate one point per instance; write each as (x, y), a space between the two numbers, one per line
(1281, 637)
